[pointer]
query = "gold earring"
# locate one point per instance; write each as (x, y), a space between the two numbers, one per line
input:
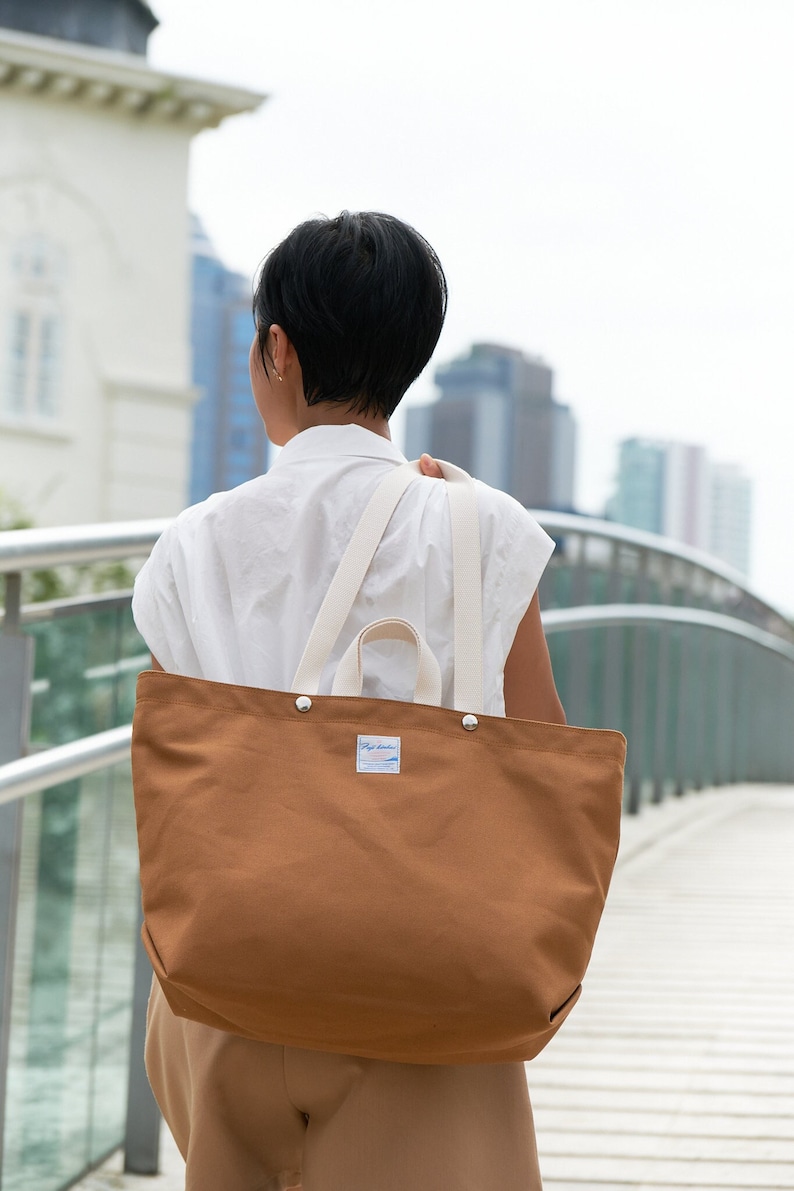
(277, 374)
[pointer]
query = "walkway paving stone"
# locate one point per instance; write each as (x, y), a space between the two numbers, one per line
(675, 1072)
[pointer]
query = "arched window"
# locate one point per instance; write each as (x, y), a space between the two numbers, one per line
(35, 332)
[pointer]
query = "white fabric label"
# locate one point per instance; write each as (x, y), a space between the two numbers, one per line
(378, 754)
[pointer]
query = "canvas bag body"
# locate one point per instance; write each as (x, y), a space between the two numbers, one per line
(439, 909)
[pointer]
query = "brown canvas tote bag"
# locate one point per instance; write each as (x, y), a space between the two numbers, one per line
(395, 880)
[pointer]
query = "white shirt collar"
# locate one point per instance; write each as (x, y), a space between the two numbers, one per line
(319, 442)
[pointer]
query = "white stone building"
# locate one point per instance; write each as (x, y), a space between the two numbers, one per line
(95, 393)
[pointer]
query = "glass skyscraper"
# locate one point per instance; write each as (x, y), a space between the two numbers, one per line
(229, 444)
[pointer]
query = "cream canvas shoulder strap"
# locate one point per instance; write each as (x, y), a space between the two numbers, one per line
(467, 582)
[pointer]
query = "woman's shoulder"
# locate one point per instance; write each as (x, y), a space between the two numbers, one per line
(515, 548)
(500, 505)
(502, 517)
(191, 541)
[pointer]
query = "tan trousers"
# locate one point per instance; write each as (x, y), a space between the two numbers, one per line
(252, 1116)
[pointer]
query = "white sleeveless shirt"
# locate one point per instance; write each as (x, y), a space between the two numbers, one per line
(232, 588)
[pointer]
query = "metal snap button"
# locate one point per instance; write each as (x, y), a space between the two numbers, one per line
(303, 703)
(470, 722)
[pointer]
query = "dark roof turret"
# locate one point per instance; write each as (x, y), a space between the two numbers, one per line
(122, 25)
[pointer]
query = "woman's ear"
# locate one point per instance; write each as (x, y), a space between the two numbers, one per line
(282, 351)
(274, 396)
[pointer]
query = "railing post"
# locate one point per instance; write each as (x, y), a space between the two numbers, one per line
(635, 765)
(723, 769)
(613, 650)
(661, 730)
(683, 726)
(699, 693)
(142, 1133)
(16, 676)
(579, 573)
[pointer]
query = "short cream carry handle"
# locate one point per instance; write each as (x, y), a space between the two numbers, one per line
(467, 582)
(349, 677)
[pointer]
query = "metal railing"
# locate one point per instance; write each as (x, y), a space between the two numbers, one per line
(661, 642)
(64, 763)
(601, 562)
(33, 549)
(703, 698)
(56, 773)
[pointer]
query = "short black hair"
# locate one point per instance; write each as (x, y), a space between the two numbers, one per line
(363, 299)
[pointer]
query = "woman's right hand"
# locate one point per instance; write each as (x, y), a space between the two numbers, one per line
(430, 468)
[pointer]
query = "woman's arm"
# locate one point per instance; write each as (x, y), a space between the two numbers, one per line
(155, 664)
(530, 692)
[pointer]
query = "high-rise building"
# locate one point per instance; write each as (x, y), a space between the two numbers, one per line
(687, 494)
(95, 389)
(672, 488)
(730, 515)
(497, 418)
(229, 445)
(638, 499)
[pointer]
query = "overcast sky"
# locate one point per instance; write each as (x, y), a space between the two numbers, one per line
(609, 184)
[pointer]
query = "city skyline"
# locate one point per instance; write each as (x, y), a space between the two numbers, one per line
(584, 206)
(666, 487)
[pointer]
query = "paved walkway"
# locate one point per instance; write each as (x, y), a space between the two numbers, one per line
(676, 1069)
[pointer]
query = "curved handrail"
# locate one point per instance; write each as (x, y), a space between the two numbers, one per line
(67, 761)
(63, 763)
(29, 549)
(34, 549)
(623, 615)
(556, 524)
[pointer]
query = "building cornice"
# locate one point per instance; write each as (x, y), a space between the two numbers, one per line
(124, 84)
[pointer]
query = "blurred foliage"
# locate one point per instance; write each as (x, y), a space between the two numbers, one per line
(12, 515)
(56, 583)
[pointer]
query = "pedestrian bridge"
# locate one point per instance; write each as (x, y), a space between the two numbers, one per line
(676, 1069)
